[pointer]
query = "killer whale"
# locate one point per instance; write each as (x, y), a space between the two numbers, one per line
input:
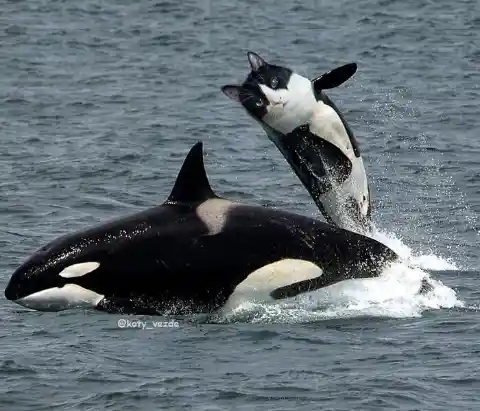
(313, 136)
(192, 254)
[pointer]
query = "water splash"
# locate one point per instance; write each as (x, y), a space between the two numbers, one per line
(428, 261)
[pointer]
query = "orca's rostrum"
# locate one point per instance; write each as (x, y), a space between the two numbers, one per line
(192, 254)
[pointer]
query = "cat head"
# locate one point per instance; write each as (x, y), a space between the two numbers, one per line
(265, 88)
(274, 90)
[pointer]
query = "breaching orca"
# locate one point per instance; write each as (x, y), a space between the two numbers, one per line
(313, 136)
(191, 254)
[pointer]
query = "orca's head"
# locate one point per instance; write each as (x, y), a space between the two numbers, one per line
(268, 88)
(56, 277)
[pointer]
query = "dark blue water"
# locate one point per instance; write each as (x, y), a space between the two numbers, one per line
(99, 103)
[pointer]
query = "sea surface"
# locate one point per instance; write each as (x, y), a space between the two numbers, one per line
(99, 103)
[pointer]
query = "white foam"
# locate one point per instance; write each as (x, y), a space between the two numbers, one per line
(428, 261)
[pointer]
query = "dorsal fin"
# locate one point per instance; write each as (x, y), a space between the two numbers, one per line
(192, 185)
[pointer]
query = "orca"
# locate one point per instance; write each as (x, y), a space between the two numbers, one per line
(191, 254)
(312, 135)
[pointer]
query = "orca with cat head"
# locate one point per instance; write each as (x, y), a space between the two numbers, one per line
(194, 253)
(313, 136)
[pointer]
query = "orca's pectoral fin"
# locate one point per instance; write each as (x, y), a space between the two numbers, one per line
(334, 78)
(295, 289)
(323, 162)
(371, 269)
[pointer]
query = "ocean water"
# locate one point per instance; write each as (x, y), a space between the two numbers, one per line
(99, 103)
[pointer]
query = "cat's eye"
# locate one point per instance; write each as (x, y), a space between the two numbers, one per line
(259, 103)
(274, 83)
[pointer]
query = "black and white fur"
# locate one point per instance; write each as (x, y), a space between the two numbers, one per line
(312, 135)
(194, 253)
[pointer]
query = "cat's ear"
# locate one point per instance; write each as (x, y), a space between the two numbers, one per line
(255, 61)
(233, 92)
(335, 77)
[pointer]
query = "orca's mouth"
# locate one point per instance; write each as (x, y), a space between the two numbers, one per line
(23, 284)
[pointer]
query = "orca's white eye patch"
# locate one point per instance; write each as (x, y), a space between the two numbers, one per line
(77, 270)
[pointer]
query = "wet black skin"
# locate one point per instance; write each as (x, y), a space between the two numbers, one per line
(166, 260)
